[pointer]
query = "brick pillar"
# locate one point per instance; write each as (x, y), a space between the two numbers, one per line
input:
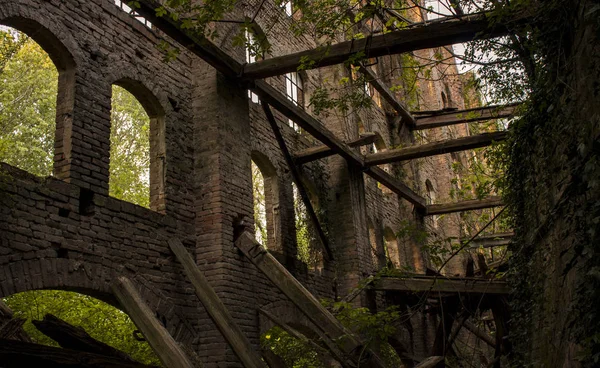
(223, 192)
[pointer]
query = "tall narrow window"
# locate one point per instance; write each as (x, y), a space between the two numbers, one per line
(288, 8)
(305, 234)
(260, 208)
(295, 92)
(251, 52)
(28, 90)
(431, 200)
(391, 247)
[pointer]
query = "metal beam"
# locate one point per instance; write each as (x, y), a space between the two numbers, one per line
(443, 32)
(441, 284)
(434, 148)
(465, 116)
(474, 204)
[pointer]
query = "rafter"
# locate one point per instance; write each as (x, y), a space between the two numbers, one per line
(322, 151)
(470, 205)
(441, 33)
(494, 240)
(441, 284)
(435, 148)
(465, 116)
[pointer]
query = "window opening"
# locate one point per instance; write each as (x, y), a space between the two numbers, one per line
(305, 236)
(295, 93)
(260, 208)
(251, 58)
(391, 247)
(123, 5)
(28, 100)
(431, 200)
(288, 8)
(129, 167)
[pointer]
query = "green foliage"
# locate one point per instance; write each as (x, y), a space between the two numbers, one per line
(294, 352)
(306, 239)
(129, 150)
(28, 88)
(102, 321)
(260, 210)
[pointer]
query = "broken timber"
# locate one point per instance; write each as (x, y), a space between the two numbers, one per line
(441, 33)
(322, 151)
(469, 205)
(434, 148)
(167, 349)
(229, 67)
(304, 300)
(296, 178)
(443, 285)
(465, 116)
(215, 308)
(388, 96)
(494, 240)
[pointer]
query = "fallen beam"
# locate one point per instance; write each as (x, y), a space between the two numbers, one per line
(19, 354)
(72, 337)
(322, 151)
(163, 344)
(439, 284)
(465, 116)
(482, 335)
(388, 96)
(470, 205)
(215, 308)
(443, 32)
(434, 148)
(305, 301)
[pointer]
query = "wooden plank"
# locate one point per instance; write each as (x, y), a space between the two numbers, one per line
(430, 362)
(470, 205)
(443, 32)
(397, 187)
(163, 344)
(322, 151)
(11, 327)
(304, 300)
(388, 96)
(297, 179)
(493, 240)
(434, 148)
(465, 116)
(453, 285)
(215, 308)
(484, 336)
(72, 337)
(19, 354)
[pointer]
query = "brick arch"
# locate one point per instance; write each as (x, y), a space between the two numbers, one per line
(93, 279)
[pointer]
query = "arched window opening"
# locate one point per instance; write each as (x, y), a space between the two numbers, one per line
(256, 44)
(265, 200)
(294, 88)
(127, 9)
(391, 247)
(260, 208)
(137, 146)
(36, 99)
(306, 238)
(100, 320)
(431, 196)
(378, 255)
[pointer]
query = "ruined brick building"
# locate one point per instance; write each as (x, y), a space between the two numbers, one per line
(65, 232)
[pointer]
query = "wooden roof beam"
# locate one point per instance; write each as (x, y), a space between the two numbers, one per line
(494, 240)
(465, 116)
(440, 33)
(470, 205)
(322, 151)
(397, 187)
(441, 284)
(434, 148)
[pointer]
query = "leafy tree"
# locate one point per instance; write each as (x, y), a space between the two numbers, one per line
(102, 321)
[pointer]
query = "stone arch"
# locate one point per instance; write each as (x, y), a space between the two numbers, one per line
(92, 279)
(155, 102)
(392, 246)
(271, 192)
(53, 39)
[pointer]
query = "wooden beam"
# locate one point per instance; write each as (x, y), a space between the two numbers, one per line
(76, 338)
(430, 362)
(163, 344)
(470, 205)
(322, 151)
(19, 354)
(215, 308)
(494, 240)
(434, 148)
(465, 116)
(443, 32)
(439, 284)
(482, 335)
(305, 301)
(388, 96)
(296, 178)
(397, 187)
